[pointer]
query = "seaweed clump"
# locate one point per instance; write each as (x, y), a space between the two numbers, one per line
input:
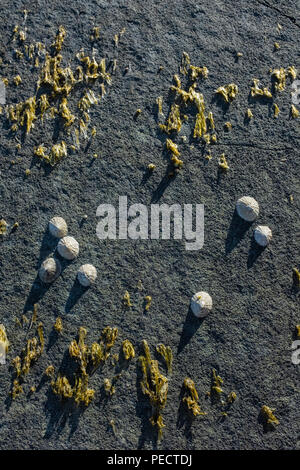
(88, 360)
(128, 349)
(191, 397)
(167, 354)
(268, 416)
(155, 386)
(30, 354)
(4, 343)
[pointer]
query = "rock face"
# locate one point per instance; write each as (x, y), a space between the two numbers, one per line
(201, 304)
(247, 208)
(87, 275)
(49, 270)
(58, 227)
(68, 248)
(262, 235)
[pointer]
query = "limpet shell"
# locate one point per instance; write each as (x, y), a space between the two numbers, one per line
(50, 270)
(201, 304)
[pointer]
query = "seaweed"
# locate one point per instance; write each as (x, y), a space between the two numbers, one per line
(128, 350)
(228, 92)
(191, 397)
(155, 386)
(167, 354)
(268, 416)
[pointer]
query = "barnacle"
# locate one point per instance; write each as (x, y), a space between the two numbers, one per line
(155, 386)
(148, 301)
(294, 112)
(191, 397)
(58, 326)
(3, 227)
(276, 46)
(268, 415)
(258, 92)
(166, 353)
(298, 331)
(126, 299)
(128, 349)
(228, 92)
(151, 167)
(228, 126)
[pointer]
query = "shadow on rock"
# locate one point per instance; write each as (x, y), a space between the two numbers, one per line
(237, 230)
(190, 327)
(163, 185)
(61, 412)
(37, 292)
(47, 247)
(76, 293)
(143, 411)
(184, 418)
(254, 252)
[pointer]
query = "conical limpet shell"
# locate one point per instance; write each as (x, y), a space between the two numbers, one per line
(201, 304)
(247, 208)
(68, 248)
(50, 269)
(262, 235)
(87, 275)
(58, 227)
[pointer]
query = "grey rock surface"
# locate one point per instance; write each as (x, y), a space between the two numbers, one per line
(248, 336)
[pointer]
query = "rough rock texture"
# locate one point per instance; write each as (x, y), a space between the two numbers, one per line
(248, 337)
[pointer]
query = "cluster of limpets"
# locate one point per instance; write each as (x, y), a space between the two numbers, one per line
(248, 209)
(67, 248)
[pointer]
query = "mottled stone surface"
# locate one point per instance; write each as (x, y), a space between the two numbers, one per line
(249, 333)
